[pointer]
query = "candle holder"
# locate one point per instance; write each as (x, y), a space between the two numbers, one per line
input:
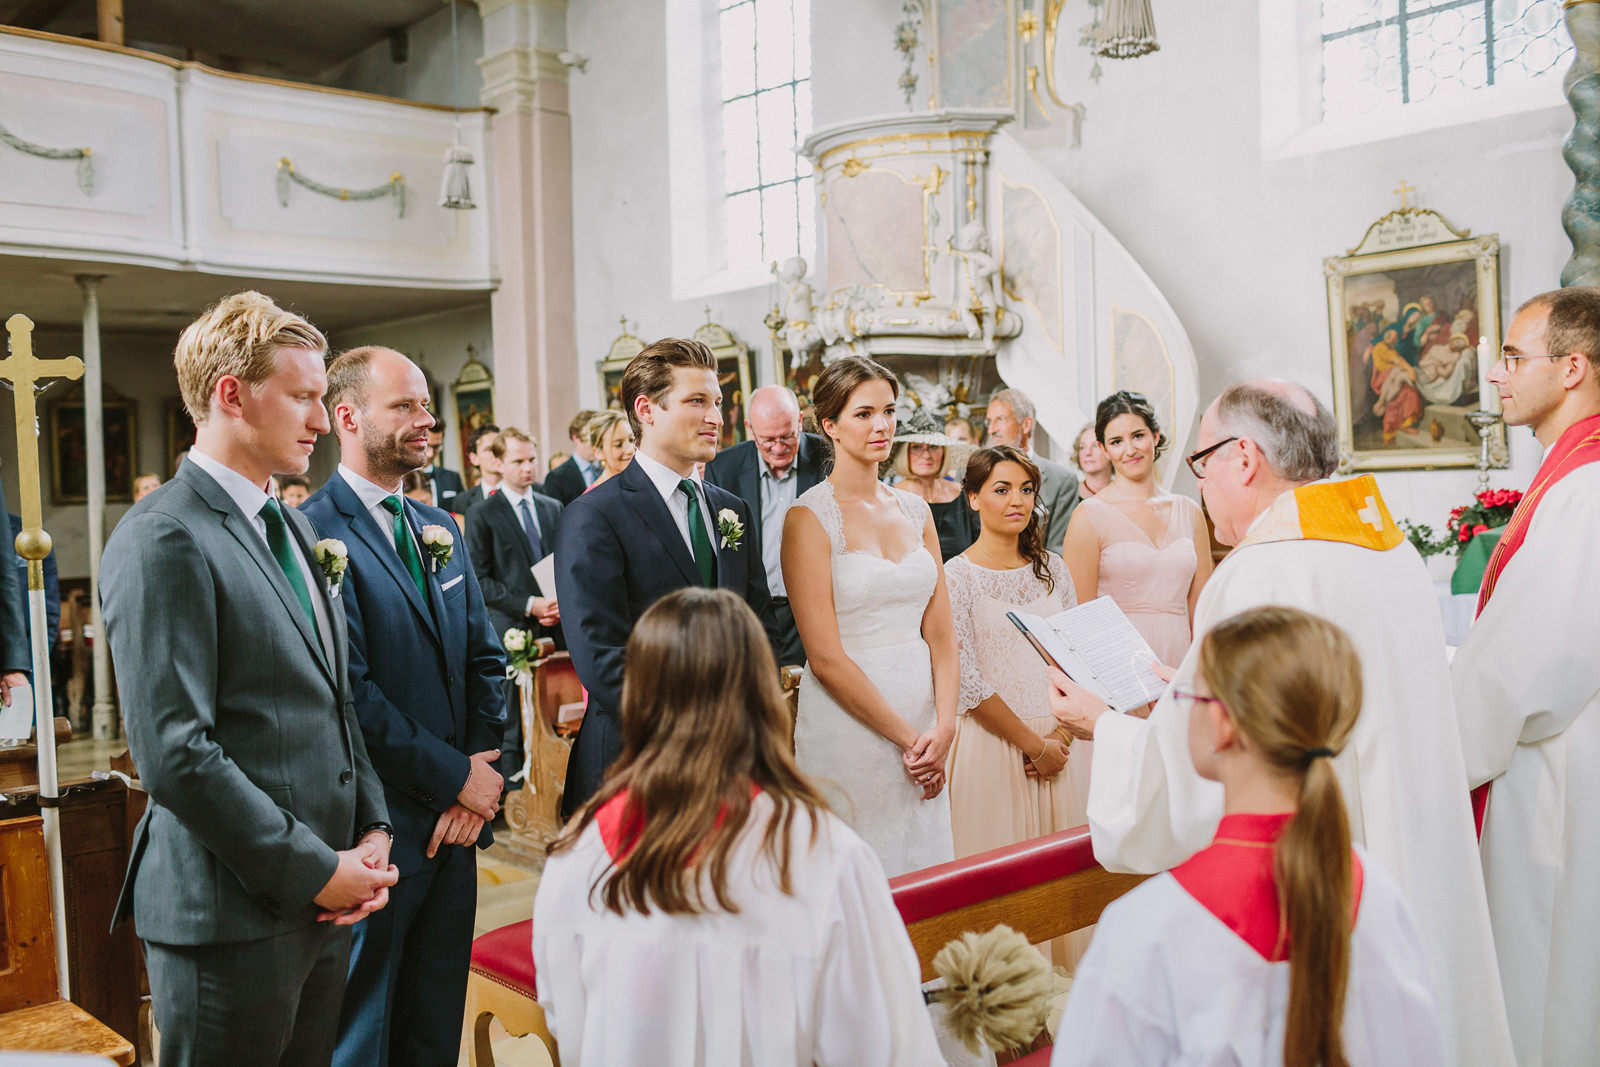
(1483, 422)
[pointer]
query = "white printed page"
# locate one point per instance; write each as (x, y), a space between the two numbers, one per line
(1121, 661)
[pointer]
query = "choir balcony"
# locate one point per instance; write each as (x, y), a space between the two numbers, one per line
(115, 156)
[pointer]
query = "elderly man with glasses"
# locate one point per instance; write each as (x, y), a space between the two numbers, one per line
(1527, 686)
(1267, 449)
(768, 472)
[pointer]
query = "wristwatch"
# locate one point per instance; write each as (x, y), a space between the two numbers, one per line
(371, 826)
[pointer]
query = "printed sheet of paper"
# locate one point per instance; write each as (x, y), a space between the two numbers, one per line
(544, 572)
(1098, 647)
(16, 720)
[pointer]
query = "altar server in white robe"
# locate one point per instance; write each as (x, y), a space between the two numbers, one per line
(1279, 943)
(705, 908)
(1527, 684)
(1330, 548)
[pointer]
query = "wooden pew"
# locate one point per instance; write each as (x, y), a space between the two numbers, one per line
(534, 810)
(1041, 888)
(32, 1017)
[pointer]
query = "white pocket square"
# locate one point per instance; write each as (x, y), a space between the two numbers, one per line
(454, 581)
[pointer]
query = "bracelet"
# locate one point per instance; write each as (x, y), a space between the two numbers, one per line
(371, 826)
(1062, 734)
(1046, 742)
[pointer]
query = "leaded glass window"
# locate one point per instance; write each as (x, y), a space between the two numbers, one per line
(766, 103)
(1379, 54)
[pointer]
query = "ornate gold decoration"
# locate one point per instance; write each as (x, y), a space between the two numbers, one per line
(1416, 214)
(1052, 16)
(1401, 190)
(1033, 89)
(904, 140)
(935, 179)
(853, 166)
(1027, 25)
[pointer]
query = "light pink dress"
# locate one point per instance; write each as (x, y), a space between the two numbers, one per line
(1150, 582)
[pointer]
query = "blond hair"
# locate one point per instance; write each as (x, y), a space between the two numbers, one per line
(599, 425)
(238, 337)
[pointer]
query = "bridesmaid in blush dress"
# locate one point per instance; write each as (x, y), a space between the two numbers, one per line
(1133, 541)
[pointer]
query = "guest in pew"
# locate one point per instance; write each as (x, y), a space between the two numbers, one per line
(928, 463)
(1014, 774)
(1133, 541)
(961, 429)
(415, 486)
(486, 466)
(293, 490)
(146, 484)
(1280, 943)
(705, 907)
(567, 482)
(611, 441)
(1090, 458)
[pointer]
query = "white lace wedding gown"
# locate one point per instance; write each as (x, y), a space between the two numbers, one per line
(879, 603)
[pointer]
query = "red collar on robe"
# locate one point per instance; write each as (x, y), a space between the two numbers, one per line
(1233, 880)
(1579, 445)
(621, 823)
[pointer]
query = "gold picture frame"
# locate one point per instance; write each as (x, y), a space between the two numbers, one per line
(1407, 326)
(69, 448)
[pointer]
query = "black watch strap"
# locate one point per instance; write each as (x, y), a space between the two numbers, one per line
(371, 826)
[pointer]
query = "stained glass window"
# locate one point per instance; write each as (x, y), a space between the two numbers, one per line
(1380, 54)
(766, 103)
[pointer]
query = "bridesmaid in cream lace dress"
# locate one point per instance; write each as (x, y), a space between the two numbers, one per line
(1133, 541)
(1015, 774)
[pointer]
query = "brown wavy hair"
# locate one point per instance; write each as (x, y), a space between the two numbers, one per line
(831, 390)
(1030, 542)
(1291, 683)
(703, 721)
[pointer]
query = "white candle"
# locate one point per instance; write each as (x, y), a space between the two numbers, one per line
(1485, 361)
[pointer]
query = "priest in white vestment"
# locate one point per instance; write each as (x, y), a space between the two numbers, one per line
(1527, 687)
(1330, 548)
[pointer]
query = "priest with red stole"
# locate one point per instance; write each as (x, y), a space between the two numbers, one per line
(1527, 687)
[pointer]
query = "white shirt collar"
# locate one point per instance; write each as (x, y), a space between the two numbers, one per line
(664, 478)
(513, 497)
(249, 496)
(370, 493)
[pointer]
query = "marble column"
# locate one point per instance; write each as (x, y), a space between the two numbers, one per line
(1580, 216)
(104, 717)
(536, 364)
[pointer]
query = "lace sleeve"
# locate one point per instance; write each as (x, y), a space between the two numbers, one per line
(819, 501)
(960, 577)
(1063, 580)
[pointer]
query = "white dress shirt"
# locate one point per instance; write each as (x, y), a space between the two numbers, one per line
(777, 493)
(516, 499)
(666, 480)
(250, 499)
(372, 496)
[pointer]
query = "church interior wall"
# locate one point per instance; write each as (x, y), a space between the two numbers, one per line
(425, 74)
(1171, 161)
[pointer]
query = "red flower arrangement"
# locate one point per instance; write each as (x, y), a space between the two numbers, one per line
(1489, 509)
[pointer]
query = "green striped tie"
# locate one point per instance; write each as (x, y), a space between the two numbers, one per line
(405, 546)
(283, 551)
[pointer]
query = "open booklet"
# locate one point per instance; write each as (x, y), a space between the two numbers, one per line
(1096, 646)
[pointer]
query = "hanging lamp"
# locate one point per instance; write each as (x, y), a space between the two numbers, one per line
(1127, 30)
(455, 188)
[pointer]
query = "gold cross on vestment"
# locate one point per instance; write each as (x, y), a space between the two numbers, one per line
(22, 369)
(1401, 190)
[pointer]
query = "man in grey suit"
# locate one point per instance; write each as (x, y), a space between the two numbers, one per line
(266, 835)
(1010, 417)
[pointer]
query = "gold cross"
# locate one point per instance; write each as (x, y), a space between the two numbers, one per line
(1401, 190)
(22, 369)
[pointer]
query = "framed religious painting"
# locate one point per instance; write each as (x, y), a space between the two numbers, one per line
(733, 375)
(69, 449)
(473, 390)
(1413, 325)
(622, 350)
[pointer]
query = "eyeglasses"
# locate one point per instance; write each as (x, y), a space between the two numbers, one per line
(1199, 460)
(1511, 359)
(1196, 698)
(774, 442)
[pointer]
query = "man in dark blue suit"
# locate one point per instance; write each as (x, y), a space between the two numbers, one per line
(652, 529)
(425, 673)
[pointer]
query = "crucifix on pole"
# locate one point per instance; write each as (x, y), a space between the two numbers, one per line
(21, 369)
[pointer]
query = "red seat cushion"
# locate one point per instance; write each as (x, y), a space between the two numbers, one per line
(506, 956)
(1040, 1058)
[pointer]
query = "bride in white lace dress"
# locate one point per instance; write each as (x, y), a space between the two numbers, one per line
(861, 564)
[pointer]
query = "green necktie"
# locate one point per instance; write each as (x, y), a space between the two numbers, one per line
(705, 558)
(405, 546)
(283, 551)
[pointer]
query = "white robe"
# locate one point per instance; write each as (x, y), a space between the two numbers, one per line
(1166, 982)
(825, 976)
(1404, 784)
(1527, 685)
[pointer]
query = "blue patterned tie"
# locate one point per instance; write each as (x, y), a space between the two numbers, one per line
(531, 528)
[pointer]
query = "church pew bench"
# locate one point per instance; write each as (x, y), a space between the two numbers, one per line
(534, 809)
(500, 985)
(1042, 888)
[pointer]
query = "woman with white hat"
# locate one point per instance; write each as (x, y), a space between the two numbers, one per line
(928, 463)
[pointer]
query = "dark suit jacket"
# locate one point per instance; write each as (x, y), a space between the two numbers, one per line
(425, 674)
(504, 560)
(738, 470)
(449, 484)
(52, 590)
(617, 552)
(565, 484)
(244, 734)
(15, 652)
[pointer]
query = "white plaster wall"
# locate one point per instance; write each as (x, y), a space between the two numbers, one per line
(426, 73)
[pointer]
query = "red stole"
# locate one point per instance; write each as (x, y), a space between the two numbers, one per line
(1579, 445)
(1233, 880)
(620, 824)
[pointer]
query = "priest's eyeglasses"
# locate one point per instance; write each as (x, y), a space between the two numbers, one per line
(1198, 460)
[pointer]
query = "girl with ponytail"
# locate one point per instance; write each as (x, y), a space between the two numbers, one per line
(1280, 943)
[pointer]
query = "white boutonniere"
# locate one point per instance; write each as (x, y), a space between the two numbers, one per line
(440, 544)
(334, 559)
(731, 529)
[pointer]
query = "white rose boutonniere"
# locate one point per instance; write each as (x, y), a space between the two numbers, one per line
(440, 544)
(731, 529)
(334, 559)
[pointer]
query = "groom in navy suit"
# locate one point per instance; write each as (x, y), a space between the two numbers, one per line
(654, 528)
(425, 674)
